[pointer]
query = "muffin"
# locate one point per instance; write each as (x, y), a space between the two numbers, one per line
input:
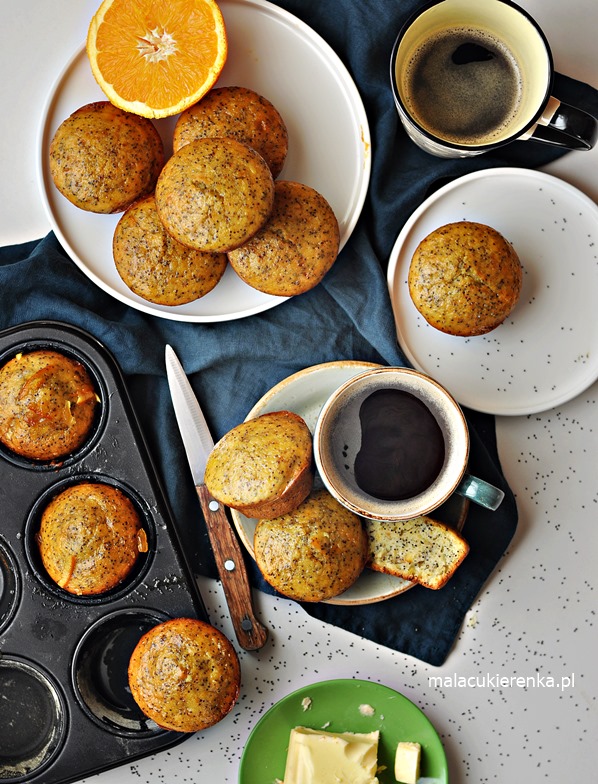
(47, 405)
(184, 674)
(242, 114)
(90, 538)
(295, 248)
(262, 467)
(465, 278)
(421, 550)
(157, 267)
(214, 194)
(313, 553)
(102, 158)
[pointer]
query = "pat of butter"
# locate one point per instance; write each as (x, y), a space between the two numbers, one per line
(407, 761)
(317, 757)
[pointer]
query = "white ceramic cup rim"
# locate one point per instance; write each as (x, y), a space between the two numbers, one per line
(420, 133)
(328, 449)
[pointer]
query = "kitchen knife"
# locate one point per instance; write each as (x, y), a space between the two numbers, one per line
(198, 444)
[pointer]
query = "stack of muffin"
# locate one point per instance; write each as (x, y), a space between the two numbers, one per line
(215, 202)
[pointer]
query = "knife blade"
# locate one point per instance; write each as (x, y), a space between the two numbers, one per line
(198, 442)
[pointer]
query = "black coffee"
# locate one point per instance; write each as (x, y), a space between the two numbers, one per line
(463, 86)
(402, 446)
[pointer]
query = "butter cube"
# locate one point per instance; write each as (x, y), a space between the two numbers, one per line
(407, 761)
(318, 757)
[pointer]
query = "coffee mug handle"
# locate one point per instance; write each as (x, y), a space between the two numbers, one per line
(480, 492)
(568, 127)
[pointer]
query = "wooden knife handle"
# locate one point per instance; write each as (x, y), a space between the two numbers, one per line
(251, 634)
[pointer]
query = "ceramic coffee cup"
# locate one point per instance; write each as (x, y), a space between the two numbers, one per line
(392, 444)
(468, 76)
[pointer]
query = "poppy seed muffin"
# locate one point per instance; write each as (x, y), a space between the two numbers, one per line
(295, 248)
(465, 278)
(156, 266)
(262, 467)
(313, 553)
(214, 194)
(242, 114)
(102, 158)
(90, 537)
(47, 404)
(184, 674)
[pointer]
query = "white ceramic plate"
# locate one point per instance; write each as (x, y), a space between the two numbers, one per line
(280, 57)
(305, 393)
(546, 352)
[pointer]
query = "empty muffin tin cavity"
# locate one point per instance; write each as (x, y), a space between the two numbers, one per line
(100, 668)
(138, 571)
(32, 718)
(9, 585)
(65, 709)
(100, 414)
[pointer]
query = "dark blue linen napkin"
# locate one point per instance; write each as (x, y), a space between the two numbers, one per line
(348, 316)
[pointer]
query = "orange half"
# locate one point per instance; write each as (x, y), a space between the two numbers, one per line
(156, 57)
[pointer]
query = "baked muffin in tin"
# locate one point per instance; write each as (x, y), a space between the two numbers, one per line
(90, 538)
(48, 404)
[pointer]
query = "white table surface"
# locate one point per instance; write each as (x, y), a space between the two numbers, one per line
(536, 616)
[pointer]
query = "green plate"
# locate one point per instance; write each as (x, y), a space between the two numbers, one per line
(335, 707)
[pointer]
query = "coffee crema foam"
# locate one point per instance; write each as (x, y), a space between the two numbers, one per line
(463, 85)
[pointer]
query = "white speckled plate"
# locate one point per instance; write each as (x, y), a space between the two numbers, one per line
(305, 393)
(279, 56)
(546, 352)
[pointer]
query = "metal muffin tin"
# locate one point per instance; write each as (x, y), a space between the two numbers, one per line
(65, 708)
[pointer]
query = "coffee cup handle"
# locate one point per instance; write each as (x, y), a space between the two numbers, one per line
(480, 492)
(568, 127)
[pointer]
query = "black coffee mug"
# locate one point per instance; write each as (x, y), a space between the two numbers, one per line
(469, 76)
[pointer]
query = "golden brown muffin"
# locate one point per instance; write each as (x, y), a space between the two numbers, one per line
(242, 114)
(47, 404)
(102, 158)
(213, 194)
(465, 278)
(90, 537)
(157, 267)
(313, 553)
(262, 467)
(421, 550)
(295, 248)
(185, 675)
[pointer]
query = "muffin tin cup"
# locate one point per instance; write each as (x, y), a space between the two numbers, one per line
(33, 719)
(71, 650)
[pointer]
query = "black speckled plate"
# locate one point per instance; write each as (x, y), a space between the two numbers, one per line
(546, 352)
